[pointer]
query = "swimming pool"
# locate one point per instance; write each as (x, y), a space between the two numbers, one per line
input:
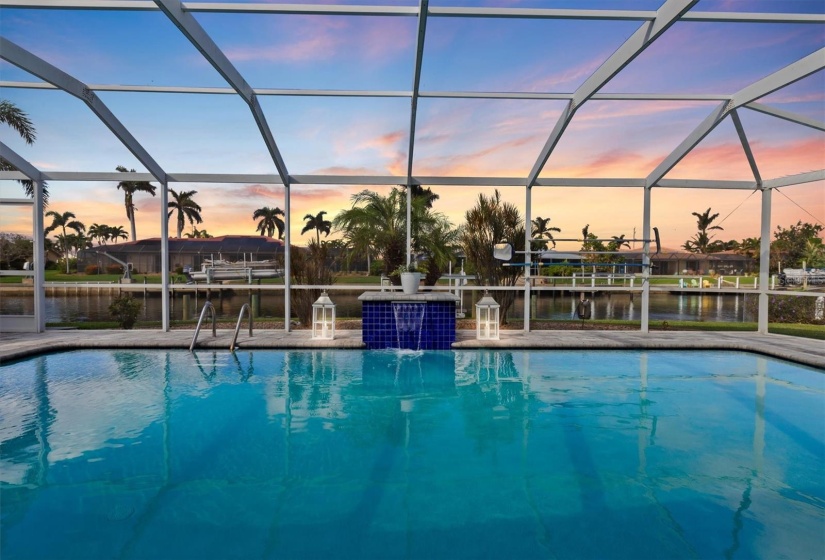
(386, 454)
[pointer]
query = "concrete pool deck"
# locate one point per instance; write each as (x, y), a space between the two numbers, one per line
(801, 350)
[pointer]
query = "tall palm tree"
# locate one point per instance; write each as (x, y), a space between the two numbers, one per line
(185, 207)
(700, 243)
(269, 221)
(319, 224)
(129, 189)
(541, 230)
(18, 120)
(63, 221)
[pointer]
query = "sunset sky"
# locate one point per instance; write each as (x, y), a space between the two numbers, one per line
(191, 133)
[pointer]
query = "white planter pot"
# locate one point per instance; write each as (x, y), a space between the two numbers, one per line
(410, 282)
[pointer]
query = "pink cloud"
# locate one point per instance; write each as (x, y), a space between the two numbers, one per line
(259, 191)
(562, 81)
(323, 38)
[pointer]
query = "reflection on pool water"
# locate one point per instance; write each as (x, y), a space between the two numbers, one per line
(386, 454)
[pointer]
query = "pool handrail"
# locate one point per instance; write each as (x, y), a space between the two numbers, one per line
(206, 306)
(244, 307)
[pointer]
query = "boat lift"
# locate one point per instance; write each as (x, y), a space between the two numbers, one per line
(504, 251)
(127, 268)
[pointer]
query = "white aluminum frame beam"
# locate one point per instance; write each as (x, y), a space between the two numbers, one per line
(33, 64)
(705, 184)
(764, 263)
(779, 79)
(388, 180)
(740, 130)
(801, 178)
(646, 210)
(22, 165)
(667, 15)
(478, 12)
(38, 237)
(783, 77)
(193, 31)
(787, 115)
(419, 57)
(527, 95)
(164, 257)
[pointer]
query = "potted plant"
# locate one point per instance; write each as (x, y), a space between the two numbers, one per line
(410, 278)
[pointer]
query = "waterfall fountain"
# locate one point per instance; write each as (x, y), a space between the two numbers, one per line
(422, 321)
(408, 320)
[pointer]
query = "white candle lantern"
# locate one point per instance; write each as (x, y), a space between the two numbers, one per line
(487, 311)
(323, 317)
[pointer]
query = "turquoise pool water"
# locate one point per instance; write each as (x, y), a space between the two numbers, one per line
(349, 454)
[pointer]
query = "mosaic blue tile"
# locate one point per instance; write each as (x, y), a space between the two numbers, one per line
(437, 325)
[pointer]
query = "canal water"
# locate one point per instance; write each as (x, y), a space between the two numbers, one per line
(663, 306)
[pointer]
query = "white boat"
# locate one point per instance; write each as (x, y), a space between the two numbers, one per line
(217, 270)
(800, 276)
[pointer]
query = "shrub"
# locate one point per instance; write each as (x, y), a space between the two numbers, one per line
(114, 269)
(376, 267)
(92, 269)
(311, 266)
(125, 309)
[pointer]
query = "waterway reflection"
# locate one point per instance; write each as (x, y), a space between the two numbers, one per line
(663, 306)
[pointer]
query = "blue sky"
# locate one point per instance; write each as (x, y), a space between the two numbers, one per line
(454, 137)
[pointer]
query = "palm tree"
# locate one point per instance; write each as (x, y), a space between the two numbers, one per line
(319, 224)
(198, 234)
(99, 232)
(439, 250)
(117, 232)
(489, 222)
(541, 231)
(618, 242)
(376, 225)
(700, 243)
(814, 253)
(18, 120)
(63, 221)
(269, 221)
(129, 189)
(186, 208)
(427, 194)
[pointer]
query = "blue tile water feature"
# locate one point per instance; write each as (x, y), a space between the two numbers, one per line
(381, 328)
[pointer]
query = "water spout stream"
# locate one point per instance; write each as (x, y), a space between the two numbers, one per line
(408, 320)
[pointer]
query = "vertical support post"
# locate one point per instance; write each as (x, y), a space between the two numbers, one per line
(164, 256)
(287, 261)
(528, 255)
(764, 262)
(39, 258)
(646, 263)
(409, 224)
